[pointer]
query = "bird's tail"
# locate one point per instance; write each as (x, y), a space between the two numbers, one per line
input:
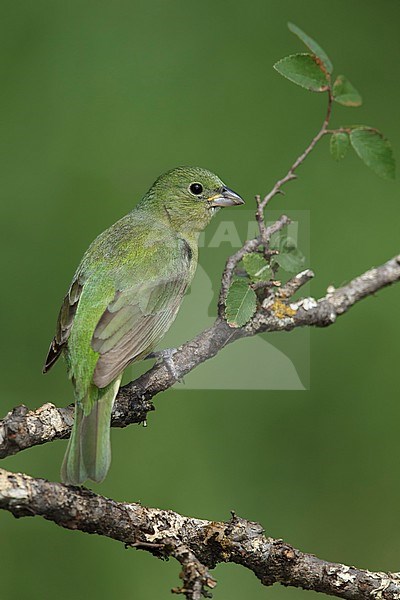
(88, 454)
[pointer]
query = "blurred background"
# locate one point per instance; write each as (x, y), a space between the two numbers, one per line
(97, 99)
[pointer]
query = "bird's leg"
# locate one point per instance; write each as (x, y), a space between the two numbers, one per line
(166, 356)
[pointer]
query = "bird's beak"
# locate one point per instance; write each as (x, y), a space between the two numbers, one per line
(226, 197)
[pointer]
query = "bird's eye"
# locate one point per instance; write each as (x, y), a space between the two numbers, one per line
(196, 188)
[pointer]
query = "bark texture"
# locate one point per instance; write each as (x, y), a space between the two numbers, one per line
(197, 544)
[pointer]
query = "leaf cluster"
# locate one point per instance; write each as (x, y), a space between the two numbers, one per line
(313, 71)
(260, 272)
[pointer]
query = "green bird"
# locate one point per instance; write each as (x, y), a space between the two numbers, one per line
(123, 298)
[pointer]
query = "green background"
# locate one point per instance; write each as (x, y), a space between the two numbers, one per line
(97, 99)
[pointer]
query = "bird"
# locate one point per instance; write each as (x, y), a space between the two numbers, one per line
(124, 296)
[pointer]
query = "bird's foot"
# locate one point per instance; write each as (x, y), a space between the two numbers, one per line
(166, 356)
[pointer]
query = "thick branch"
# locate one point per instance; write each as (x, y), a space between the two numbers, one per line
(22, 428)
(197, 544)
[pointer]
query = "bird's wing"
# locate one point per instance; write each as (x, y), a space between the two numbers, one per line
(64, 322)
(135, 321)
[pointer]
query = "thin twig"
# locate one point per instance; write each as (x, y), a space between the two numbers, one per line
(295, 283)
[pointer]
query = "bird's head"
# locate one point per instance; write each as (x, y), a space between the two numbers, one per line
(190, 196)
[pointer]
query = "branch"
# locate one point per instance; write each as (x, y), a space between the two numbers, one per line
(198, 545)
(22, 428)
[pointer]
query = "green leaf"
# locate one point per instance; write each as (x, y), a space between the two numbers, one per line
(345, 93)
(290, 258)
(287, 244)
(291, 263)
(375, 151)
(257, 267)
(339, 145)
(281, 241)
(241, 303)
(275, 240)
(312, 45)
(304, 70)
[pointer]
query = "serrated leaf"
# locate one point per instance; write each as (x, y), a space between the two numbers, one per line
(345, 93)
(304, 70)
(291, 263)
(339, 145)
(312, 45)
(280, 240)
(240, 304)
(275, 240)
(290, 258)
(375, 151)
(257, 267)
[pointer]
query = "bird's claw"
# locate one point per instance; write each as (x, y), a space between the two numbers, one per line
(166, 356)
